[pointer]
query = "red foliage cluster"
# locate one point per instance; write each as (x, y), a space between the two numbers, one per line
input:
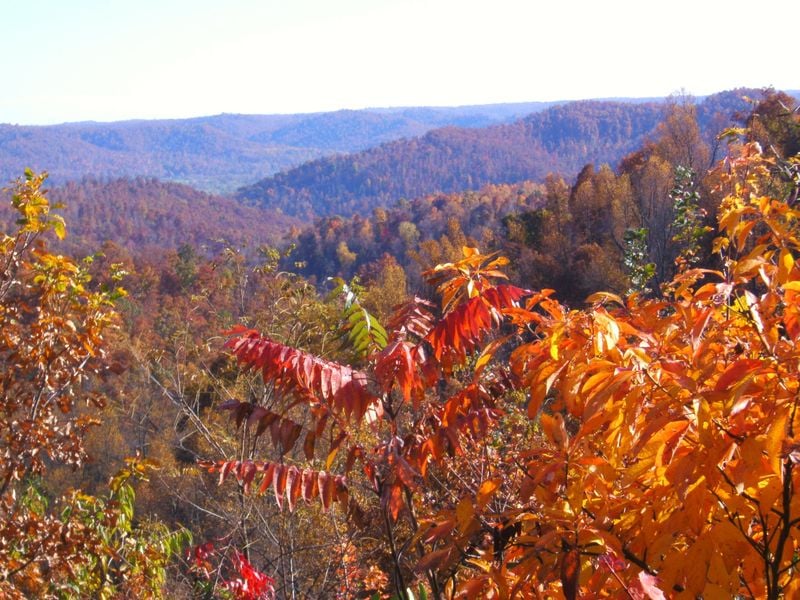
(244, 582)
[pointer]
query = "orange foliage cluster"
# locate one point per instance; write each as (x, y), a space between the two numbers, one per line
(640, 447)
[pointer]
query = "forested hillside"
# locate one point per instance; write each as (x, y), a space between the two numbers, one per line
(566, 234)
(222, 152)
(559, 139)
(142, 215)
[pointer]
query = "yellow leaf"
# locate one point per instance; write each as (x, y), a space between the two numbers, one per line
(554, 344)
(606, 334)
(696, 565)
(589, 537)
(58, 227)
(487, 354)
(785, 265)
(575, 496)
(602, 297)
(717, 573)
(483, 565)
(792, 588)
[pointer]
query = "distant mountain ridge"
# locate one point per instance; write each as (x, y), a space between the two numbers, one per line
(562, 138)
(223, 152)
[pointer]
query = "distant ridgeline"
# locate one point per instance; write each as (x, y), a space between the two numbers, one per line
(221, 153)
(560, 139)
(436, 149)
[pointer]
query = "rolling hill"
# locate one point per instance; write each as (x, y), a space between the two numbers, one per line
(222, 152)
(562, 138)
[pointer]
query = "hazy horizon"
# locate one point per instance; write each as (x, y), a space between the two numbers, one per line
(346, 109)
(92, 60)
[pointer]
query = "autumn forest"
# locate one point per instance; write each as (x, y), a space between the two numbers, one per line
(540, 351)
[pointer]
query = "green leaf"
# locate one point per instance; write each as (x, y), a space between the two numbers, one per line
(360, 329)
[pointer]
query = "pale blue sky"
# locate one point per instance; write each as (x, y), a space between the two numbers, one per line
(68, 60)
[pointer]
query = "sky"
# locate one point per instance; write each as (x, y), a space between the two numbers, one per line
(105, 60)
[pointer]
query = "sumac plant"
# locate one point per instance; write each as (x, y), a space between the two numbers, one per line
(244, 582)
(423, 397)
(508, 446)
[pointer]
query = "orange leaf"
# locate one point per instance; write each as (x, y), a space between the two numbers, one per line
(735, 372)
(486, 491)
(570, 570)
(393, 500)
(699, 325)
(432, 561)
(553, 427)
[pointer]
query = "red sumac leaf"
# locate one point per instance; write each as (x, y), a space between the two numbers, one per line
(342, 493)
(306, 371)
(226, 468)
(327, 485)
(279, 484)
(325, 382)
(241, 413)
(246, 473)
(289, 433)
(309, 489)
(266, 480)
(292, 490)
(308, 445)
(335, 381)
(275, 432)
(354, 453)
(239, 330)
(256, 414)
(265, 421)
(321, 423)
